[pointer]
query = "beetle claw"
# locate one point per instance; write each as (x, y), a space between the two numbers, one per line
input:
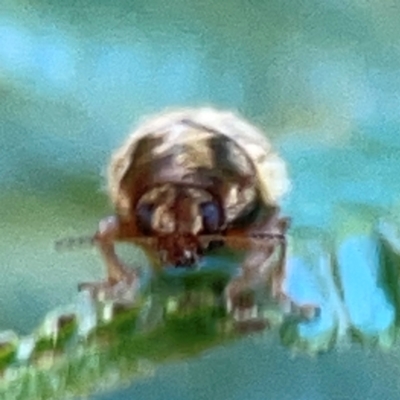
(245, 312)
(247, 320)
(122, 291)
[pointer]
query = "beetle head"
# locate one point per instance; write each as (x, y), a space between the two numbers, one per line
(177, 215)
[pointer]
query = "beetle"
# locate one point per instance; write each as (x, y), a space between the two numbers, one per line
(188, 179)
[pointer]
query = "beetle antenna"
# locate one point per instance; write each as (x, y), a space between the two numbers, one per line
(241, 241)
(74, 243)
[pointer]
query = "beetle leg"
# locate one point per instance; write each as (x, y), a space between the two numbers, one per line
(257, 270)
(265, 264)
(306, 311)
(118, 275)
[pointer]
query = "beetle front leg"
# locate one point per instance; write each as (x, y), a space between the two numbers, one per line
(278, 276)
(121, 281)
(255, 273)
(263, 267)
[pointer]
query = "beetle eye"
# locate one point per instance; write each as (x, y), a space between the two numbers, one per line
(211, 216)
(144, 215)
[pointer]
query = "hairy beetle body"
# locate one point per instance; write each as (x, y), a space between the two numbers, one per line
(188, 178)
(202, 146)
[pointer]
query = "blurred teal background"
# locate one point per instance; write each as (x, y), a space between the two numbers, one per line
(322, 78)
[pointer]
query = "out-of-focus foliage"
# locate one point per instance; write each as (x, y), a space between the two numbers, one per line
(97, 345)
